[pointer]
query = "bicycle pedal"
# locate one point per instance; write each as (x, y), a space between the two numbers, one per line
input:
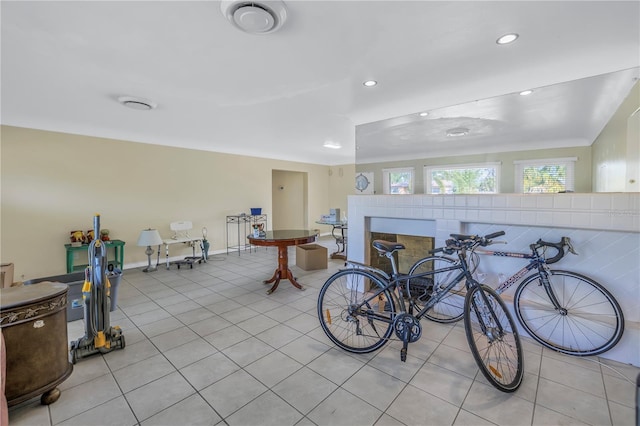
(403, 355)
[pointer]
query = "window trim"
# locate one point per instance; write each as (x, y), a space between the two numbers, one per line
(568, 162)
(385, 178)
(497, 165)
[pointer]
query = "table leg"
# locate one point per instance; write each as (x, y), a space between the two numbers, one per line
(166, 250)
(69, 261)
(340, 254)
(283, 271)
(120, 256)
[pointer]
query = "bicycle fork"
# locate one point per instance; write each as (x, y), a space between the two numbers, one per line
(487, 316)
(544, 282)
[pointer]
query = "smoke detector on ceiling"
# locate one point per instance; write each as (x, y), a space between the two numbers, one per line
(255, 17)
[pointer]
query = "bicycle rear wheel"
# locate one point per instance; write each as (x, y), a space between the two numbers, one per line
(450, 306)
(589, 322)
(350, 322)
(493, 339)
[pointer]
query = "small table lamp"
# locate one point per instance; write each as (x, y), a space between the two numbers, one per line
(149, 237)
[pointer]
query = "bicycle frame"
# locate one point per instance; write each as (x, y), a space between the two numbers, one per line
(536, 262)
(394, 282)
(395, 279)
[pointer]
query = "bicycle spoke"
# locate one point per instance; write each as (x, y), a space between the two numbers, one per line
(588, 322)
(352, 317)
(450, 305)
(493, 339)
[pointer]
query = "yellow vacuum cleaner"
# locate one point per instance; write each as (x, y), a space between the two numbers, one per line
(100, 336)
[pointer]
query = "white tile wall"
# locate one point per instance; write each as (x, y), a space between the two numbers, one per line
(605, 228)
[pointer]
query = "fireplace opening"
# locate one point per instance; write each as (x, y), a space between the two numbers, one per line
(416, 248)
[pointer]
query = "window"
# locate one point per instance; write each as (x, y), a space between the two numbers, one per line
(462, 179)
(397, 181)
(550, 175)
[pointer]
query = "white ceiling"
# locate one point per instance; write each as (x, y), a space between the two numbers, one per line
(282, 95)
(557, 116)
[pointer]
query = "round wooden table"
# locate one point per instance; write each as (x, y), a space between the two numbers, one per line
(283, 239)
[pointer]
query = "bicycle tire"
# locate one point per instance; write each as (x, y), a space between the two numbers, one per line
(450, 306)
(356, 331)
(498, 354)
(574, 332)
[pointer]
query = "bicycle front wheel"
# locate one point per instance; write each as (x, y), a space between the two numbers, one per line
(493, 338)
(589, 321)
(450, 304)
(350, 317)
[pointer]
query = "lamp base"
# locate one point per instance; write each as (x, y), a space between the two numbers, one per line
(149, 268)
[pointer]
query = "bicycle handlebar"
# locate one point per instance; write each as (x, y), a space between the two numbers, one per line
(565, 241)
(462, 241)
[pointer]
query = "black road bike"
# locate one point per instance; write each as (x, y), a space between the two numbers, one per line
(563, 310)
(361, 308)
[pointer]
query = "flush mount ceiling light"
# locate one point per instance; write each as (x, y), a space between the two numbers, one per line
(370, 83)
(255, 17)
(457, 131)
(137, 103)
(526, 92)
(423, 114)
(507, 38)
(332, 145)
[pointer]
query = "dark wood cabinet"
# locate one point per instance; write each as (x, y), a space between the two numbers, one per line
(33, 319)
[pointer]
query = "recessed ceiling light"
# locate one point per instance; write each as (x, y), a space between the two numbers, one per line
(457, 131)
(370, 83)
(423, 114)
(507, 38)
(137, 103)
(526, 92)
(332, 145)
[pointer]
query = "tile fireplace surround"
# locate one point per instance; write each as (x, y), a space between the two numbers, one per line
(604, 228)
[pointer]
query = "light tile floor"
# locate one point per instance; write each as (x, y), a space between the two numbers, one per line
(207, 346)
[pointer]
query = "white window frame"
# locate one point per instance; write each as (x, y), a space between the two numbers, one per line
(428, 170)
(386, 187)
(568, 162)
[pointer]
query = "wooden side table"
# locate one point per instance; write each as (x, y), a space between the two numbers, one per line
(283, 239)
(117, 245)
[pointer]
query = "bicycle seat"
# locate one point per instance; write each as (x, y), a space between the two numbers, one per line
(387, 246)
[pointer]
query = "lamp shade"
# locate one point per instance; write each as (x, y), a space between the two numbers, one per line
(149, 237)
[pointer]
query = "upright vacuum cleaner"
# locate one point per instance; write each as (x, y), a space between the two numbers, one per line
(100, 336)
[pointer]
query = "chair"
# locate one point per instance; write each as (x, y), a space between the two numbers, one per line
(181, 229)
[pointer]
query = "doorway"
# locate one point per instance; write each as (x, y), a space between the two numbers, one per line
(289, 200)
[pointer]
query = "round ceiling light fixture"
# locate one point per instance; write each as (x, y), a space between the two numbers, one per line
(255, 17)
(526, 92)
(370, 83)
(457, 131)
(332, 144)
(423, 114)
(137, 103)
(507, 38)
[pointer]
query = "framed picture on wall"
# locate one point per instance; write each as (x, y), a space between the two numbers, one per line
(364, 183)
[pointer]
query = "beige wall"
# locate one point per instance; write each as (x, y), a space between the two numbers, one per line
(610, 149)
(289, 200)
(507, 173)
(342, 183)
(53, 183)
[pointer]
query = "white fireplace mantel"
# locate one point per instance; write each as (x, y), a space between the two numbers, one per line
(604, 228)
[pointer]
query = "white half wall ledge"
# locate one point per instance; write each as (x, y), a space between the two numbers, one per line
(604, 228)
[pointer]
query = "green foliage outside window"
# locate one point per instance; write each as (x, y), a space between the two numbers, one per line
(544, 178)
(464, 181)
